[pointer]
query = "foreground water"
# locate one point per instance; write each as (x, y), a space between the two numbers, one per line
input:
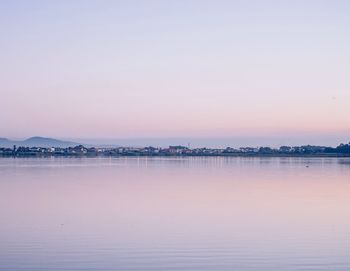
(175, 214)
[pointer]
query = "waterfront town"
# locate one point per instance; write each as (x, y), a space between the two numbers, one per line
(343, 150)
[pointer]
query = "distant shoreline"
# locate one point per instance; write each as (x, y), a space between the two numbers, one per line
(343, 150)
(179, 156)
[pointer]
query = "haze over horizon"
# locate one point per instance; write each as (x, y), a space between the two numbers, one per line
(274, 71)
(192, 142)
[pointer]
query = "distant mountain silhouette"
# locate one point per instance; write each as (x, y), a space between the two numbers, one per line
(36, 141)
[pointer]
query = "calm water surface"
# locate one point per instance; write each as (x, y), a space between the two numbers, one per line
(175, 214)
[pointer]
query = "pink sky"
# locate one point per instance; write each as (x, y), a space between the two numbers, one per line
(173, 69)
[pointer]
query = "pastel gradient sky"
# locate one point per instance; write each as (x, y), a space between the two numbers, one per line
(185, 68)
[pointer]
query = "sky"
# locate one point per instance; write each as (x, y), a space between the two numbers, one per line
(176, 69)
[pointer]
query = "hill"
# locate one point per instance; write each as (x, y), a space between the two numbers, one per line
(36, 141)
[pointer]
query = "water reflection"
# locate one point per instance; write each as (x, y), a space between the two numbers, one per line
(175, 214)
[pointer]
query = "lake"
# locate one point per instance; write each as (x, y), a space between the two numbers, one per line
(200, 213)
